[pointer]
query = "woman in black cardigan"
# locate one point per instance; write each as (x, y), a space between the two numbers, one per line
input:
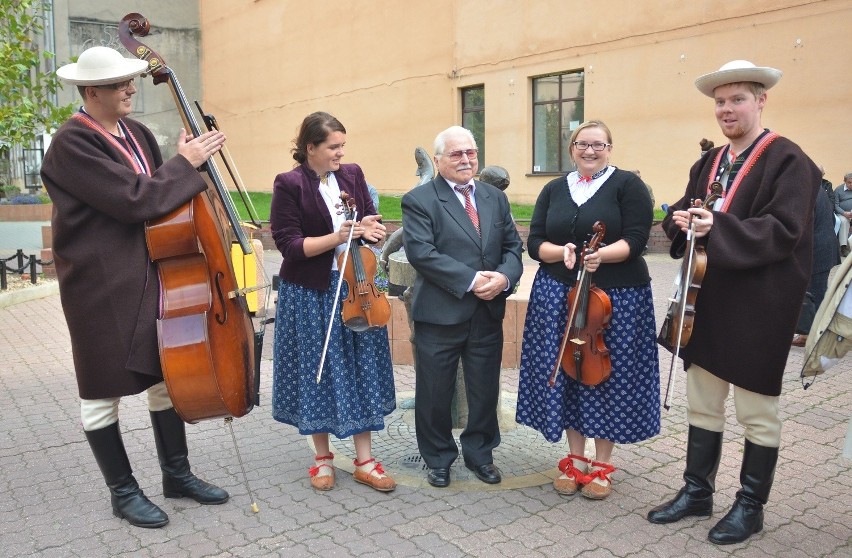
(626, 407)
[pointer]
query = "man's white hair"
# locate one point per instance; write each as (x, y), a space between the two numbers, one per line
(452, 131)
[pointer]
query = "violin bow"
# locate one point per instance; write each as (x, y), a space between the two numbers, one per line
(685, 280)
(354, 216)
(571, 315)
(211, 124)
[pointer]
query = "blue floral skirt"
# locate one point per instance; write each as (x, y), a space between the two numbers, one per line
(357, 389)
(625, 408)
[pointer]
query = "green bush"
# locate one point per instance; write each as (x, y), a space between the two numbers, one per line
(10, 191)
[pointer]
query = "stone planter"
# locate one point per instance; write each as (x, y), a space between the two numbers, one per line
(36, 212)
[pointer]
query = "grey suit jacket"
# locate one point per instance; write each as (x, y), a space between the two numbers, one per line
(442, 245)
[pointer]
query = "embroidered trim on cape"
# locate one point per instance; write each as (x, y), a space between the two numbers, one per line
(750, 161)
(96, 126)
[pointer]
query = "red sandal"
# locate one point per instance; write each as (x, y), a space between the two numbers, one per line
(572, 477)
(375, 477)
(324, 482)
(598, 490)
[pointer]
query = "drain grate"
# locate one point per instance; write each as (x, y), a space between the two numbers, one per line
(413, 462)
(522, 456)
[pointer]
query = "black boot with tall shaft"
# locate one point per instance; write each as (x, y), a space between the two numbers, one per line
(178, 480)
(746, 516)
(128, 500)
(703, 452)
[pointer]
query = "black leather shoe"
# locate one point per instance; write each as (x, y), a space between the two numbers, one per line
(439, 478)
(487, 473)
(683, 505)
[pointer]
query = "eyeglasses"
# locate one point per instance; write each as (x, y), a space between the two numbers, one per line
(596, 146)
(120, 86)
(455, 156)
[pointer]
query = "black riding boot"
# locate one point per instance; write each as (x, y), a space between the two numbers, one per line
(128, 501)
(178, 480)
(703, 452)
(746, 516)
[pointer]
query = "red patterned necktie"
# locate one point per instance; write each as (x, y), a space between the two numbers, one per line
(468, 206)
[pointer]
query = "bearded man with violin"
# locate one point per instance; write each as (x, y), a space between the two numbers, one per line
(106, 178)
(758, 241)
(597, 204)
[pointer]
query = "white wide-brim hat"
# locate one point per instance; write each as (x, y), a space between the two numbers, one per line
(100, 66)
(737, 71)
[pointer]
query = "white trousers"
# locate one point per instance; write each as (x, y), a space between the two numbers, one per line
(706, 395)
(100, 413)
(843, 232)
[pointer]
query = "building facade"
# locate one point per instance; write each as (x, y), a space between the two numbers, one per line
(521, 74)
(75, 25)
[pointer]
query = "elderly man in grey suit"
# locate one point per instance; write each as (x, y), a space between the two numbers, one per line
(460, 238)
(843, 208)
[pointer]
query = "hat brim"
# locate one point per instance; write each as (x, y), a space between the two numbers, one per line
(129, 68)
(766, 76)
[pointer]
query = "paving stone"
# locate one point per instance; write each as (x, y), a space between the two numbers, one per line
(55, 502)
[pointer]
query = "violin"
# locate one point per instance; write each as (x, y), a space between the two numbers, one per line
(590, 310)
(365, 307)
(677, 326)
(676, 330)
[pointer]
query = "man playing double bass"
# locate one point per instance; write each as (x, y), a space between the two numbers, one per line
(106, 178)
(758, 239)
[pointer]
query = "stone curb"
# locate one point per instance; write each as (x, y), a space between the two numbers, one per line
(30, 293)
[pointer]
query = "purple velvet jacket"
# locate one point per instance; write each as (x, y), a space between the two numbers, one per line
(298, 212)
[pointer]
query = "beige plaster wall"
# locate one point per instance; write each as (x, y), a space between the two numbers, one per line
(391, 71)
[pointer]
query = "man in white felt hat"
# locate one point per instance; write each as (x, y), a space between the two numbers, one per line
(758, 238)
(106, 178)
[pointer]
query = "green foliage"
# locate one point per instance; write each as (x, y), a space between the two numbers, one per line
(26, 90)
(389, 206)
(10, 191)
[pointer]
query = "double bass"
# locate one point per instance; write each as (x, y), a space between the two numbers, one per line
(676, 330)
(590, 310)
(206, 336)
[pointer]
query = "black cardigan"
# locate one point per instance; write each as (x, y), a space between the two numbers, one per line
(622, 203)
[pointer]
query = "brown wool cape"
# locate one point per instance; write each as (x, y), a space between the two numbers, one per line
(758, 265)
(107, 283)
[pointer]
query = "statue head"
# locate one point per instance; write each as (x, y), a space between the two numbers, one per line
(496, 176)
(425, 168)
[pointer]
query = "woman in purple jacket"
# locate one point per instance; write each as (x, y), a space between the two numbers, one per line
(356, 390)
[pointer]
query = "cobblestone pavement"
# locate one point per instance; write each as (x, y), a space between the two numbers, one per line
(54, 502)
